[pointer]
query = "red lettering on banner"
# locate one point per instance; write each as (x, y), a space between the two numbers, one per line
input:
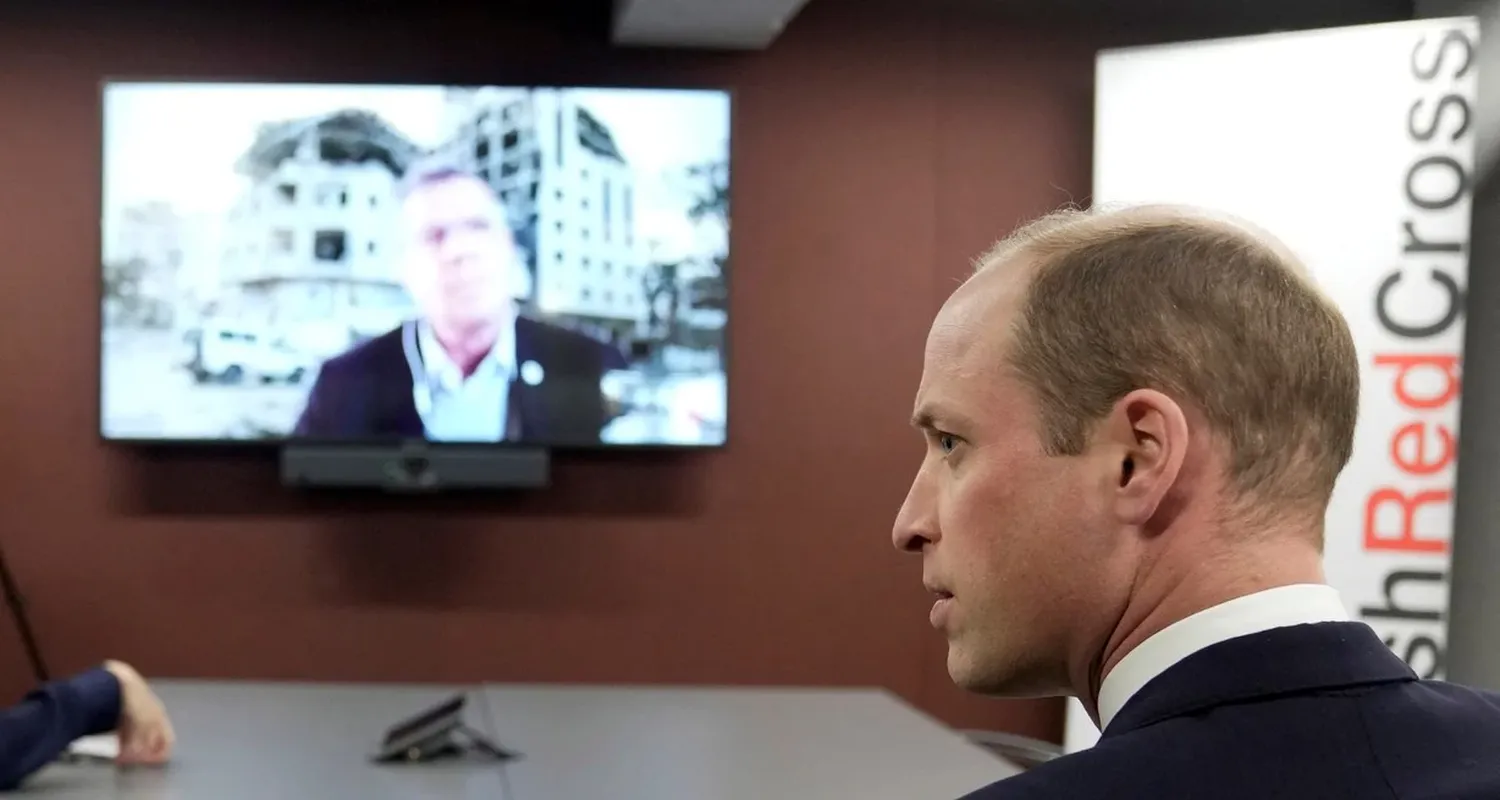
(1406, 540)
(1446, 364)
(1419, 448)
(1417, 462)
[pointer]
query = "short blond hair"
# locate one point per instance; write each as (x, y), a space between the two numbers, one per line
(1211, 311)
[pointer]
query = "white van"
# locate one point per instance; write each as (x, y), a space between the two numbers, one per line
(229, 354)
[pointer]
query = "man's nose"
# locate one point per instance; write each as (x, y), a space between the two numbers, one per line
(452, 246)
(458, 241)
(916, 522)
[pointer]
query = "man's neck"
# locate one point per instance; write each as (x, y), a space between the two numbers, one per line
(467, 347)
(1197, 571)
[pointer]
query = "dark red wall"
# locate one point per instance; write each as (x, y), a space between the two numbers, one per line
(877, 148)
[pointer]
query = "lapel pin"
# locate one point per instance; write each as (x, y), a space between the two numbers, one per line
(531, 373)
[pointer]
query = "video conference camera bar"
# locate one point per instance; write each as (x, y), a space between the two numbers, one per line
(414, 467)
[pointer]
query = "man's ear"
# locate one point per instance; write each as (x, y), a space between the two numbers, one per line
(1153, 438)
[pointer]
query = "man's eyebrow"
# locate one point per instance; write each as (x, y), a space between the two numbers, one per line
(936, 418)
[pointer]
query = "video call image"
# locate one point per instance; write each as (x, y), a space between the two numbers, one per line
(455, 264)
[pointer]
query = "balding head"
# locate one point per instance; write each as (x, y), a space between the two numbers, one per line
(1205, 307)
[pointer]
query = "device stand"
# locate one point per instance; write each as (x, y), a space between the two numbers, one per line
(480, 744)
(458, 742)
(436, 734)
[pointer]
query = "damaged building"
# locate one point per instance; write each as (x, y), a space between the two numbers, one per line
(570, 196)
(310, 239)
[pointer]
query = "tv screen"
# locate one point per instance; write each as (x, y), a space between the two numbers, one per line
(537, 265)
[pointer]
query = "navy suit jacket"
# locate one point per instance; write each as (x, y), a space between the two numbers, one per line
(40, 727)
(1322, 712)
(366, 393)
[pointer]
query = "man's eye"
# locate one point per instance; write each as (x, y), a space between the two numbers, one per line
(946, 442)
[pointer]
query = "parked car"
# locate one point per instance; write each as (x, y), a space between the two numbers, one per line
(229, 354)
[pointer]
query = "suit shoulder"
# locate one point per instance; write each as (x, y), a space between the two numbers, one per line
(1112, 769)
(546, 331)
(1065, 776)
(555, 339)
(1482, 698)
(366, 355)
(1429, 707)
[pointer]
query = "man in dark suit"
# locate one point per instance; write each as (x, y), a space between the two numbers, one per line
(469, 369)
(1134, 422)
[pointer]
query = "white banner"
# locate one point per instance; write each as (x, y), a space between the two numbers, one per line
(1355, 146)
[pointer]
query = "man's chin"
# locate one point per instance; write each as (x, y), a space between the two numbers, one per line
(997, 676)
(469, 320)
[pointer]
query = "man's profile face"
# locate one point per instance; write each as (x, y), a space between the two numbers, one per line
(459, 258)
(1013, 539)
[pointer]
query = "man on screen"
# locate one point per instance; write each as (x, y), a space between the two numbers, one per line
(469, 368)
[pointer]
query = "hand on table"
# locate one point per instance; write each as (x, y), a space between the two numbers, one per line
(145, 732)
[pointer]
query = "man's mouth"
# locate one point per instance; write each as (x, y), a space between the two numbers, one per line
(942, 594)
(941, 607)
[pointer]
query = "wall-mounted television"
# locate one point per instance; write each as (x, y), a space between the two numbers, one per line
(546, 266)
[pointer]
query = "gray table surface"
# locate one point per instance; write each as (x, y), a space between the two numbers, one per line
(639, 743)
(283, 741)
(288, 741)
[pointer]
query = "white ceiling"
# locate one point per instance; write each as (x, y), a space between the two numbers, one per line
(714, 24)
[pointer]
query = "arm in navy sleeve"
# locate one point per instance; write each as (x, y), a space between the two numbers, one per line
(40, 727)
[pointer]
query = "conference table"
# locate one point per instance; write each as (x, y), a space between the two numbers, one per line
(285, 741)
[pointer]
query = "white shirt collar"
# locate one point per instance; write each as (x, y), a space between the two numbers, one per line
(444, 374)
(1283, 606)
